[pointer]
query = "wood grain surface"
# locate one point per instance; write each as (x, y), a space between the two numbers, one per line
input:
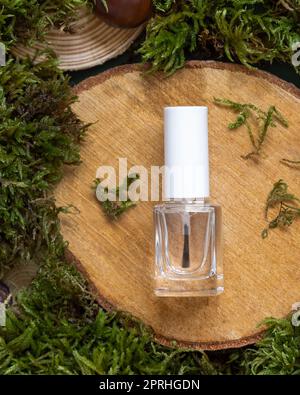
(91, 42)
(262, 277)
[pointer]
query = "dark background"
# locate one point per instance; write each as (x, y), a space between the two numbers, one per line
(282, 70)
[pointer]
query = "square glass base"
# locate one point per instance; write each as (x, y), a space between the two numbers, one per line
(209, 286)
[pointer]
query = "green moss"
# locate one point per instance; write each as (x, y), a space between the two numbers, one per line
(38, 134)
(277, 353)
(28, 20)
(60, 329)
(249, 31)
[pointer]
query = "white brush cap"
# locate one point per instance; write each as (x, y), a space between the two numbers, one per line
(186, 152)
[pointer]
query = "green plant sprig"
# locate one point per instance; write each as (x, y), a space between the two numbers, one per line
(266, 120)
(288, 208)
(115, 208)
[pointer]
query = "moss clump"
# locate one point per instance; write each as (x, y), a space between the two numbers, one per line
(249, 31)
(60, 329)
(28, 20)
(277, 353)
(38, 134)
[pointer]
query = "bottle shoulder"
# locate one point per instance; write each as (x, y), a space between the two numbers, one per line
(184, 206)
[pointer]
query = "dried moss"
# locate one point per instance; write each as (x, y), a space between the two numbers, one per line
(287, 204)
(265, 120)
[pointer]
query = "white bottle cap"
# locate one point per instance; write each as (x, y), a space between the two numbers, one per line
(186, 153)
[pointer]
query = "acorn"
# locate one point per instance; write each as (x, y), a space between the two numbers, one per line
(124, 13)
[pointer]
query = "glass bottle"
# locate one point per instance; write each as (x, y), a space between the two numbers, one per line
(188, 228)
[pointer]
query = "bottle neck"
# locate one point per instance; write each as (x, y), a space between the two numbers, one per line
(188, 201)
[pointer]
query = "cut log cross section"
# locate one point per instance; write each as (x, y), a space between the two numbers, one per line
(262, 277)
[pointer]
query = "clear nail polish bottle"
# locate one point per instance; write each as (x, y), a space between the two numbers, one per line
(188, 228)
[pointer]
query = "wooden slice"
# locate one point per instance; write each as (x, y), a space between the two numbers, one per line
(262, 277)
(91, 43)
